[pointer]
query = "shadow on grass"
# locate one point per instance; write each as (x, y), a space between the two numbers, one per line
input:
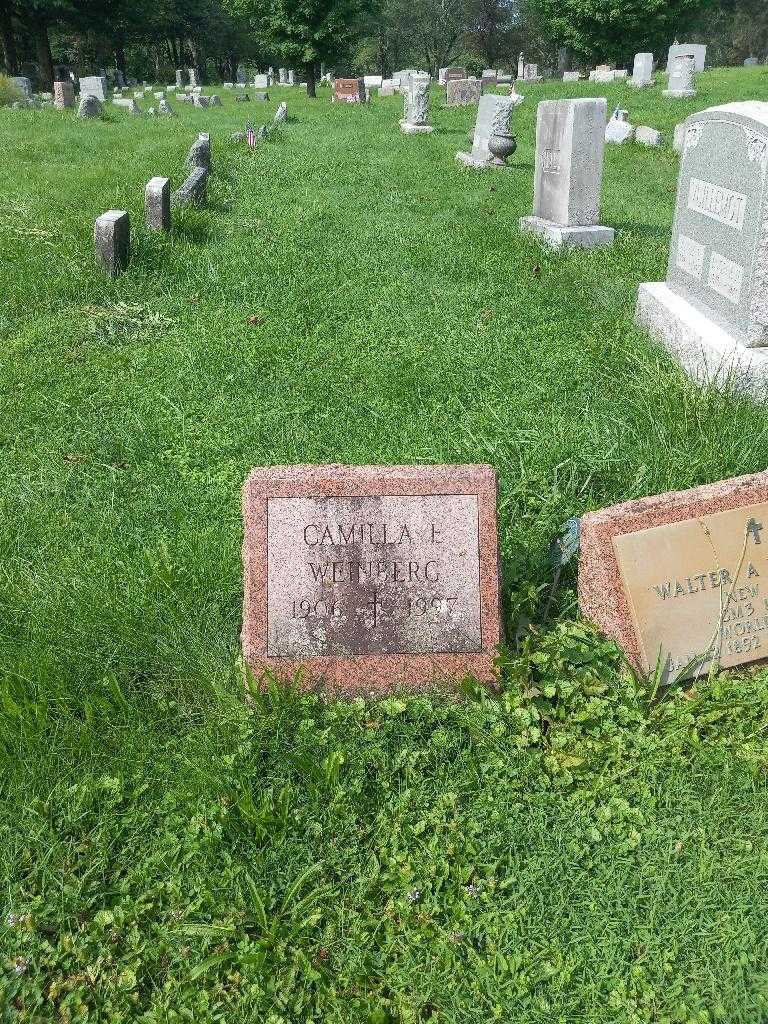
(187, 227)
(641, 230)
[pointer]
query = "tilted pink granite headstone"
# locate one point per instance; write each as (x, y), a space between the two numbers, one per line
(371, 579)
(680, 580)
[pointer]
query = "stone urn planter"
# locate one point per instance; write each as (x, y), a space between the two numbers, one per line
(502, 146)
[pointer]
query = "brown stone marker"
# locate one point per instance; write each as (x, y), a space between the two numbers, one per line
(349, 90)
(371, 578)
(681, 577)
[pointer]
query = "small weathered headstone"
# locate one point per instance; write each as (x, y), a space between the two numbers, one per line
(647, 136)
(698, 50)
(462, 92)
(531, 73)
(214, 101)
(569, 172)
(494, 117)
(751, 62)
(677, 579)
(618, 129)
(261, 82)
(157, 204)
(681, 83)
(642, 71)
(372, 81)
(712, 310)
(90, 106)
(282, 76)
(571, 76)
(387, 88)
(193, 190)
(112, 239)
(369, 579)
(203, 102)
(453, 74)
(199, 154)
(127, 104)
(242, 98)
(291, 77)
(241, 75)
(348, 90)
(63, 95)
(281, 114)
(94, 85)
(416, 107)
(164, 109)
(23, 85)
(181, 78)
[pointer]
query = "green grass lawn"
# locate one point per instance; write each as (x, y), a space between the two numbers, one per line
(573, 851)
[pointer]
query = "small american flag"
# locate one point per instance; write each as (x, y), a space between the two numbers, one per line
(250, 135)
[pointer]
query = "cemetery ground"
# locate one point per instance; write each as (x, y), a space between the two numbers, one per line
(578, 847)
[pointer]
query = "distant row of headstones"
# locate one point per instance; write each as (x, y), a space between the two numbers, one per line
(112, 233)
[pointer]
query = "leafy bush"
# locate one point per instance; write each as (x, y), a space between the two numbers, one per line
(8, 92)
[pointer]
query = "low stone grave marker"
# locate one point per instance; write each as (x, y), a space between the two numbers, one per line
(90, 106)
(682, 78)
(369, 579)
(571, 76)
(261, 82)
(569, 173)
(63, 95)
(23, 84)
(712, 310)
(642, 71)
(494, 118)
(680, 580)
(193, 190)
(112, 241)
(647, 136)
(157, 204)
(348, 90)
(462, 92)
(281, 114)
(416, 106)
(94, 85)
(452, 74)
(387, 88)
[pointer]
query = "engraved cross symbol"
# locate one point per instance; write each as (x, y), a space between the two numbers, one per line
(754, 528)
(374, 606)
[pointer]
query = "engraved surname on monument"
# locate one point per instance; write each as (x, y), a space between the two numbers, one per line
(725, 277)
(696, 590)
(721, 204)
(393, 574)
(690, 256)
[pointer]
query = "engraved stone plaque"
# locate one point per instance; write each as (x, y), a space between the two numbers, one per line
(719, 254)
(387, 575)
(680, 580)
(696, 589)
(349, 90)
(371, 578)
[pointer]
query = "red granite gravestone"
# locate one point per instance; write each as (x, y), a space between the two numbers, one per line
(679, 580)
(371, 579)
(349, 90)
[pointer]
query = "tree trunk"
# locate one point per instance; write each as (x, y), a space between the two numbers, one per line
(309, 70)
(563, 60)
(174, 52)
(11, 58)
(120, 53)
(43, 53)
